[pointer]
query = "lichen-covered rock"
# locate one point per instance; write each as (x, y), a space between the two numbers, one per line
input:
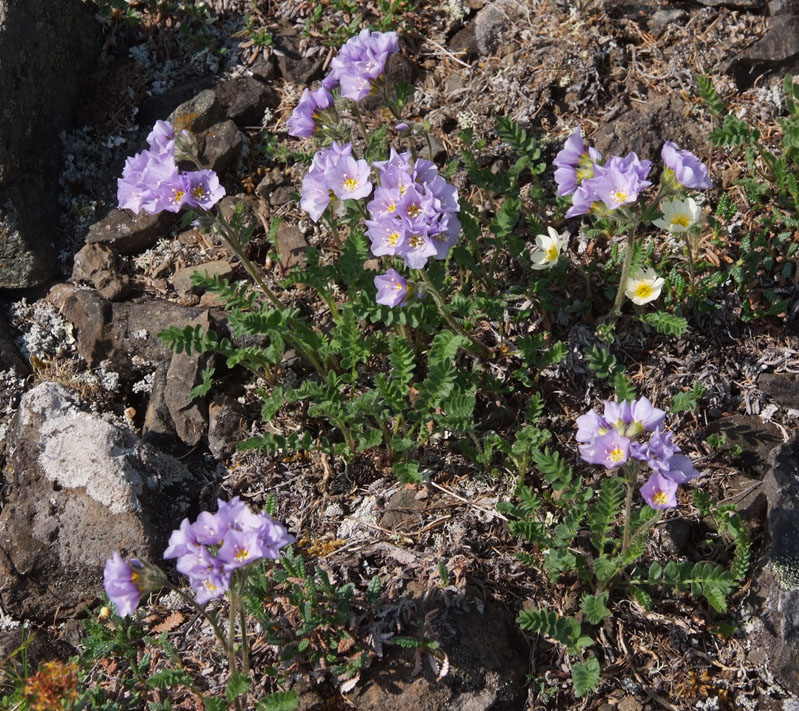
(79, 488)
(45, 47)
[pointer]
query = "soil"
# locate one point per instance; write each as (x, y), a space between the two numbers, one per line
(624, 72)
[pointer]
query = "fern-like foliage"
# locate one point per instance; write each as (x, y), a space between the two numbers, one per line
(553, 468)
(601, 361)
(348, 340)
(605, 512)
(279, 701)
(565, 630)
(734, 132)
(703, 579)
(665, 323)
(708, 94)
(585, 676)
(594, 607)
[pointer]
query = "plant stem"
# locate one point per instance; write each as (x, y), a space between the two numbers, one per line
(484, 350)
(625, 273)
(632, 475)
(333, 231)
(359, 118)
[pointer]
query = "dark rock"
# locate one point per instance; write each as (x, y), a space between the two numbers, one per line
(97, 263)
(755, 438)
(188, 414)
(777, 8)
(91, 315)
(661, 19)
(158, 428)
(282, 195)
(198, 114)
(10, 357)
(488, 663)
(293, 66)
(291, 246)
(264, 68)
(490, 23)
(245, 99)
(221, 145)
(181, 279)
(774, 598)
(128, 233)
(645, 130)
(155, 108)
(735, 4)
(402, 510)
(780, 387)
(464, 44)
(227, 419)
(777, 50)
(79, 488)
(398, 69)
(45, 49)
(439, 150)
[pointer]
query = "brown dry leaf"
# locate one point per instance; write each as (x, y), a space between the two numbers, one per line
(171, 622)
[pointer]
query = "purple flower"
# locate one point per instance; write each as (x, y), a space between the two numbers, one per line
(387, 236)
(162, 138)
(182, 541)
(401, 126)
(316, 187)
(608, 450)
(391, 288)
(240, 548)
(359, 61)
(583, 200)
(349, 178)
(680, 469)
(620, 181)
(591, 425)
(575, 164)
(120, 583)
(202, 188)
(645, 415)
(657, 452)
(660, 491)
(210, 584)
(302, 121)
(684, 168)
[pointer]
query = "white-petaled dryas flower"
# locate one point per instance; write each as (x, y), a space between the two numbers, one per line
(548, 249)
(643, 286)
(678, 215)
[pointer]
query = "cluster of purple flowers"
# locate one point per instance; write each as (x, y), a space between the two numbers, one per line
(334, 173)
(358, 63)
(614, 438)
(207, 551)
(413, 211)
(618, 181)
(152, 182)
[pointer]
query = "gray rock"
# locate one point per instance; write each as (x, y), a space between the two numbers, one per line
(198, 114)
(756, 439)
(292, 64)
(181, 279)
(439, 151)
(221, 145)
(158, 107)
(158, 428)
(128, 233)
(487, 657)
(227, 419)
(490, 23)
(188, 414)
(245, 99)
(282, 195)
(781, 388)
(774, 599)
(645, 130)
(10, 357)
(777, 50)
(734, 4)
(91, 315)
(264, 68)
(79, 489)
(45, 48)
(661, 19)
(464, 44)
(97, 263)
(777, 8)
(291, 246)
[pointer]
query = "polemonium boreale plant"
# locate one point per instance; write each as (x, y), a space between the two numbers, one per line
(215, 553)
(612, 189)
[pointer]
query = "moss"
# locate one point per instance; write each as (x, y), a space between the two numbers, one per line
(786, 570)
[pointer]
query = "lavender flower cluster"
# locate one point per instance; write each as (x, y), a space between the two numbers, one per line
(614, 438)
(208, 551)
(334, 173)
(152, 182)
(359, 62)
(618, 181)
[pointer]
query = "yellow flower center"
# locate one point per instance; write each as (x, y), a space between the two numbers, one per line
(403, 189)
(413, 210)
(683, 220)
(399, 286)
(660, 498)
(178, 195)
(391, 207)
(393, 238)
(616, 455)
(643, 290)
(416, 241)
(620, 197)
(552, 253)
(198, 192)
(350, 184)
(242, 554)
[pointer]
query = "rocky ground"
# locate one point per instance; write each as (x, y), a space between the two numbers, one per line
(104, 449)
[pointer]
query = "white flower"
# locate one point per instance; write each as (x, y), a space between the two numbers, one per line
(678, 215)
(548, 249)
(643, 286)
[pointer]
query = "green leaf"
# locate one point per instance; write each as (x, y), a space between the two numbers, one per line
(237, 685)
(167, 678)
(585, 676)
(203, 388)
(279, 701)
(215, 703)
(665, 323)
(408, 472)
(708, 94)
(594, 607)
(624, 389)
(601, 361)
(565, 630)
